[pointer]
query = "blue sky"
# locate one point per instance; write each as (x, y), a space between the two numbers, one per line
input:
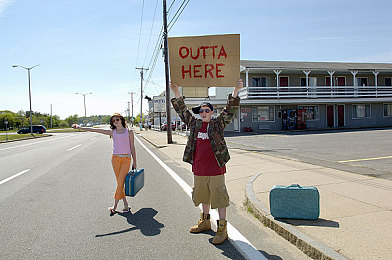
(94, 46)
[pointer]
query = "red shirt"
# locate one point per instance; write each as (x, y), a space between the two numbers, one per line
(204, 162)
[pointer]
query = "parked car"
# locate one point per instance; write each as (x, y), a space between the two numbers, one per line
(164, 126)
(180, 124)
(37, 129)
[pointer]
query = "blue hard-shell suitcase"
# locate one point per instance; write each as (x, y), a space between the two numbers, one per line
(134, 182)
(295, 202)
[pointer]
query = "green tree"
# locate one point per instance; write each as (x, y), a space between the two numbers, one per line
(72, 120)
(7, 116)
(137, 119)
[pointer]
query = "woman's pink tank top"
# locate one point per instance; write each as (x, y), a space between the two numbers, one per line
(121, 143)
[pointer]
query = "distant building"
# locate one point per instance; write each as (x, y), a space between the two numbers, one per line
(313, 95)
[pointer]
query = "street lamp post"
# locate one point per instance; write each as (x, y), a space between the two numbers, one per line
(84, 100)
(28, 73)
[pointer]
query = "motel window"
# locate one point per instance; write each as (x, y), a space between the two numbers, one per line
(388, 82)
(361, 111)
(311, 80)
(311, 112)
(263, 113)
(362, 82)
(388, 110)
(258, 82)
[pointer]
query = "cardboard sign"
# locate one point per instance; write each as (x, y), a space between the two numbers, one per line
(205, 61)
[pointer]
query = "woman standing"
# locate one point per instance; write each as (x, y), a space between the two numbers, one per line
(123, 148)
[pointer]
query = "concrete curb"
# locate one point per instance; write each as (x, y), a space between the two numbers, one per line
(309, 246)
(151, 142)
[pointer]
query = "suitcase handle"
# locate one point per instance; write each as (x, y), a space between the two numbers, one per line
(294, 186)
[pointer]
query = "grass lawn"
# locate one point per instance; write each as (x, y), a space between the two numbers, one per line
(14, 137)
(63, 130)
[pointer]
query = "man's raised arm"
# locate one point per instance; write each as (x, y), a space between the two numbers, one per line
(179, 105)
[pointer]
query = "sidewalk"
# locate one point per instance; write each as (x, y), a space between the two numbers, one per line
(355, 210)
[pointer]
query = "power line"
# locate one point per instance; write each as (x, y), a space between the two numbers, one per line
(168, 11)
(177, 14)
(154, 57)
(152, 26)
(140, 34)
(138, 47)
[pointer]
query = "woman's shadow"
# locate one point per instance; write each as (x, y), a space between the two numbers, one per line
(142, 220)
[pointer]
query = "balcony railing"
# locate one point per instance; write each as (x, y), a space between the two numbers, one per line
(316, 92)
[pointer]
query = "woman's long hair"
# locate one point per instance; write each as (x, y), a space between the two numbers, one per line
(112, 126)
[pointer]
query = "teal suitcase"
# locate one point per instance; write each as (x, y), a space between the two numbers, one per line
(295, 202)
(134, 182)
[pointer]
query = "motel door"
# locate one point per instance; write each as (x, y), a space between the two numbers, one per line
(283, 81)
(340, 115)
(330, 117)
(341, 81)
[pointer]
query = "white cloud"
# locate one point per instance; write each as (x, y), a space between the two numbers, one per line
(4, 4)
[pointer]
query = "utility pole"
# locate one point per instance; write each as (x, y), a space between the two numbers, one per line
(165, 52)
(51, 118)
(141, 95)
(129, 111)
(132, 104)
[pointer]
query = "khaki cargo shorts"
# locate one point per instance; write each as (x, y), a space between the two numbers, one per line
(210, 190)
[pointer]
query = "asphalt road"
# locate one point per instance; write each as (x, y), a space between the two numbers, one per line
(57, 207)
(366, 151)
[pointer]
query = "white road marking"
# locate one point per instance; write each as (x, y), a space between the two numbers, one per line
(235, 237)
(14, 176)
(93, 138)
(23, 145)
(76, 146)
(366, 159)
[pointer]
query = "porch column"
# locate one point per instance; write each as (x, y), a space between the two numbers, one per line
(247, 78)
(330, 76)
(307, 72)
(277, 72)
(375, 80)
(354, 72)
(247, 81)
(239, 118)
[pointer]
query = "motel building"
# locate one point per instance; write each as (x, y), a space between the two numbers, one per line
(280, 95)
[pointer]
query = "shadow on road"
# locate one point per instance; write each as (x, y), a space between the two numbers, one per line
(142, 220)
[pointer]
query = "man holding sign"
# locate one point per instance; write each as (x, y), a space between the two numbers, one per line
(206, 150)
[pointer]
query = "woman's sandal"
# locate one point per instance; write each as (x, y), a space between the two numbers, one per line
(127, 209)
(112, 211)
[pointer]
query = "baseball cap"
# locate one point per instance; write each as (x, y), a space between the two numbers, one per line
(204, 103)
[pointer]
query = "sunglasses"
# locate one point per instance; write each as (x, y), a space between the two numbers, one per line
(204, 110)
(117, 119)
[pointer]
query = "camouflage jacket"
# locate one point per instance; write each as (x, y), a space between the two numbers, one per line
(214, 130)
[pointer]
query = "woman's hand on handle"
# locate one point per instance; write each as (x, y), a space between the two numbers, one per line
(134, 165)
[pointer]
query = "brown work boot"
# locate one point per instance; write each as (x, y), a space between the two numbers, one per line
(221, 234)
(204, 224)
